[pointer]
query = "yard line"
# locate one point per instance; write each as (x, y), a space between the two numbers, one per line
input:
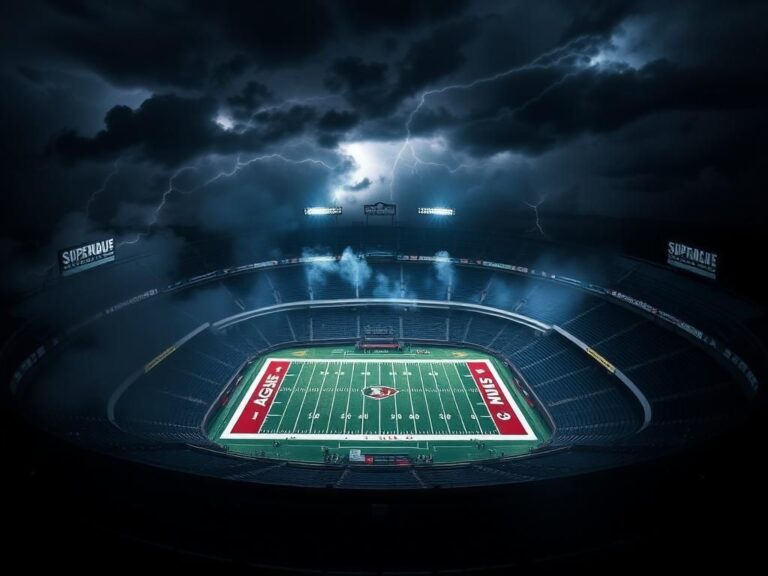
(349, 395)
(333, 400)
(295, 385)
(410, 395)
(379, 401)
(454, 400)
(456, 366)
(440, 396)
(362, 410)
(305, 395)
(320, 395)
(424, 391)
(394, 385)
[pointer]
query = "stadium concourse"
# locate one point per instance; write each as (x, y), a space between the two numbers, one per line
(605, 362)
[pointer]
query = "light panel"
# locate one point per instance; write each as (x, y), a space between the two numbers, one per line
(437, 211)
(322, 211)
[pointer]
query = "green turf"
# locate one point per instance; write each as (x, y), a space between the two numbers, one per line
(322, 395)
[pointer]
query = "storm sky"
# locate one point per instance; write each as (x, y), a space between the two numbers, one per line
(159, 120)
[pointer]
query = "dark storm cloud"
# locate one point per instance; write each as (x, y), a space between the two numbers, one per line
(187, 44)
(167, 128)
(363, 84)
(433, 57)
(376, 91)
(226, 72)
(335, 121)
(397, 15)
(170, 129)
(602, 101)
(253, 96)
(137, 42)
(354, 74)
(364, 184)
(677, 110)
(333, 125)
(273, 33)
(596, 16)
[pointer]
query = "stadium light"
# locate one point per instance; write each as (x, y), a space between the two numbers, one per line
(437, 211)
(322, 211)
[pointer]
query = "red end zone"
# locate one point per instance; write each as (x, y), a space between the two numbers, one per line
(253, 411)
(504, 413)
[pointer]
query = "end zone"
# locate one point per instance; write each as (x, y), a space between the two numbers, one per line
(250, 415)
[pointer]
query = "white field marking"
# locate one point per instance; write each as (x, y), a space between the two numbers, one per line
(365, 385)
(349, 395)
(454, 399)
(468, 400)
(244, 402)
(333, 400)
(519, 413)
(410, 395)
(320, 395)
(301, 408)
(295, 385)
(394, 385)
(426, 402)
(440, 396)
(379, 360)
(379, 403)
(376, 437)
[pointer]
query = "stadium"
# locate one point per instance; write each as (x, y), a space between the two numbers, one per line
(298, 356)
(376, 369)
(578, 371)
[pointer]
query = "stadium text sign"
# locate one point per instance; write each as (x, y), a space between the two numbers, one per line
(380, 209)
(253, 409)
(86, 256)
(505, 413)
(692, 259)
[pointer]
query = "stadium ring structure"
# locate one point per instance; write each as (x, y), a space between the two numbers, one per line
(624, 360)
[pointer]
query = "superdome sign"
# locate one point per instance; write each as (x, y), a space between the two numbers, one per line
(692, 259)
(86, 256)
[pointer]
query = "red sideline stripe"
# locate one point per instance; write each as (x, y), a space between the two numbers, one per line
(501, 411)
(255, 411)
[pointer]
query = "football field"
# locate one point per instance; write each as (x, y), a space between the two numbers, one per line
(377, 399)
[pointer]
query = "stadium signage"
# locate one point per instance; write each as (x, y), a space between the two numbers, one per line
(86, 256)
(159, 358)
(380, 209)
(501, 408)
(692, 259)
(601, 360)
(255, 405)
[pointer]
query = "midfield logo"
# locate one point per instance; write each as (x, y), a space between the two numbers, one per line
(379, 392)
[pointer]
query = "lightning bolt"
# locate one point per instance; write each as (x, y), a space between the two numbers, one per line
(96, 193)
(578, 47)
(238, 166)
(285, 103)
(535, 207)
(171, 188)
